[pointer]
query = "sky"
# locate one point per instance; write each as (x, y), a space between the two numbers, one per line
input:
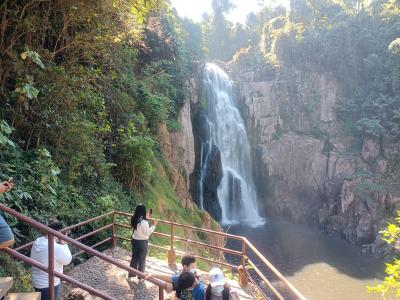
(194, 9)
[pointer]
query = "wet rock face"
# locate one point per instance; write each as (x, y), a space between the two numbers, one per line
(211, 180)
(207, 178)
(306, 168)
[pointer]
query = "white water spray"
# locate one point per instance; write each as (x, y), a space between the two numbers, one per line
(236, 191)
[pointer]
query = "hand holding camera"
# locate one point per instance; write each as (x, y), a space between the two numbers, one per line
(150, 215)
(6, 186)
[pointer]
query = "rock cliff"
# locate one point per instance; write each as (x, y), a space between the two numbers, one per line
(308, 168)
(178, 148)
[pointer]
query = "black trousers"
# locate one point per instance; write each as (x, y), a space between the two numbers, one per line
(139, 253)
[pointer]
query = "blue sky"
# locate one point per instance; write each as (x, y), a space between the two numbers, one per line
(195, 8)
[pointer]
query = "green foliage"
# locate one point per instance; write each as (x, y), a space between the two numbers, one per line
(86, 86)
(222, 38)
(390, 287)
(355, 42)
(5, 131)
(136, 156)
(34, 56)
(194, 40)
(15, 270)
(371, 127)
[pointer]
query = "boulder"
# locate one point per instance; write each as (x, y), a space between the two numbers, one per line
(370, 149)
(364, 230)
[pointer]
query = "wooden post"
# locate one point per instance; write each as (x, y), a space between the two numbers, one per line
(243, 279)
(113, 240)
(171, 251)
(160, 293)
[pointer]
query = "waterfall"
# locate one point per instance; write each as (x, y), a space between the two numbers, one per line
(226, 131)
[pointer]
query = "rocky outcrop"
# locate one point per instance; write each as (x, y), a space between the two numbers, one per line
(208, 168)
(370, 150)
(307, 167)
(179, 150)
(212, 179)
(178, 147)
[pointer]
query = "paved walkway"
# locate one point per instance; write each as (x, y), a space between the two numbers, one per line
(112, 280)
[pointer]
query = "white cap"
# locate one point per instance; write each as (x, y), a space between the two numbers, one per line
(216, 277)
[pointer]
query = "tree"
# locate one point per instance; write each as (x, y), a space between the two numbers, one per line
(390, 288)
(221, 7)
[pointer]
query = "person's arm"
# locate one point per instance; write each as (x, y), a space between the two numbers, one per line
(233, 294)
(62, 254)
(164, 277)
(146, 230)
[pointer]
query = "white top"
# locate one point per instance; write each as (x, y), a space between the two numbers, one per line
(40, 253)
(233, 295)
(143, 231)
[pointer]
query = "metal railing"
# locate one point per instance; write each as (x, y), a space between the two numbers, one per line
(246, 248)
(51, 234)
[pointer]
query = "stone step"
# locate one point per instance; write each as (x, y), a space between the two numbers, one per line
(23, 296)
(5, 285)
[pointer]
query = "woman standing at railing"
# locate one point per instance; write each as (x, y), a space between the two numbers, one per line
(140, 238)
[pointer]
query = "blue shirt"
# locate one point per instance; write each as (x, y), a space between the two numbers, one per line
(5, 231)
(198, 292)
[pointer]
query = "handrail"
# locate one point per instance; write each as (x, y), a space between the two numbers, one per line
(70, 228)
(50, 269)
(183, 253)
(162, 285)
(245, 244)
(273, 269)
(188, 227)
(266, 281)
(233, 252)
(64, 277)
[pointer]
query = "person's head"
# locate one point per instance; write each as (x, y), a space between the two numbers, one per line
(138, 215)
(188, 263)
(217, 284)
(186, 281)
(55, 224)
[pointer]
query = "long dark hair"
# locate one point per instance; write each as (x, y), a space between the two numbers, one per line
(138, 215)
(225, 292)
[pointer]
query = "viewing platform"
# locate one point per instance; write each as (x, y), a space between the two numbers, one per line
(104, 274)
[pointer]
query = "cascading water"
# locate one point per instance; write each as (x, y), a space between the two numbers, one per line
(227, 132)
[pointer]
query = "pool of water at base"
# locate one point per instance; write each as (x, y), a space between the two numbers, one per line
(319, 266)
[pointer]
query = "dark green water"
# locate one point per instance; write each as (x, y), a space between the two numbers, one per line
(321, 267)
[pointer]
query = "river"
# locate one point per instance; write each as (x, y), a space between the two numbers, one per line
(319, 266)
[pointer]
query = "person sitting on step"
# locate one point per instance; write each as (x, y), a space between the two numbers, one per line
(190, 288)
(40, 253)
(218, 288)
(188, 265)
(6, 235)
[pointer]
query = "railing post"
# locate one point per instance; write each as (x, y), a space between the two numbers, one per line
(171, 251)
(50, 238)
(243, 253)
(113, 240)
(243, 280)
(160, 293)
